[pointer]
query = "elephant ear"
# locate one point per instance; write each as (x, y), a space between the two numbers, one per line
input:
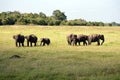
(101, 36)
(41, 39)
(15, 37)
(27, 37)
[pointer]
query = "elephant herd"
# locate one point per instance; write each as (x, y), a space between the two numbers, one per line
(72, 39)
(31, 39)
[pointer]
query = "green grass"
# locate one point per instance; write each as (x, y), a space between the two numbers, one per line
(60, 61)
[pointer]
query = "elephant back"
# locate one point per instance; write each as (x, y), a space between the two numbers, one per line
(22, 38)
(82, 37)
(32, 38)
(93, 37)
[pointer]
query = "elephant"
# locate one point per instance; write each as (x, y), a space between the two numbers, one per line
(96, 38)
(82, 38)
(44, 41)
(19, 39)
(31, 39)
(71, 38)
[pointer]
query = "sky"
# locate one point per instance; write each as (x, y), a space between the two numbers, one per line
(90, 10)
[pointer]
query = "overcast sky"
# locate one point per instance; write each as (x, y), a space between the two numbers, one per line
(90, 10)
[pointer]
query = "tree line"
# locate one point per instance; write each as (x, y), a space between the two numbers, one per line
(57, 18)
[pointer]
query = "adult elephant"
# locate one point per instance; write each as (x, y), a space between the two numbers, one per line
(82, 38)
(71, 38)
(44, 41)
(96, 38)
(19, 39)
(31, 39)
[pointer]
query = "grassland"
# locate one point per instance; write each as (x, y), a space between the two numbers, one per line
(60, 61)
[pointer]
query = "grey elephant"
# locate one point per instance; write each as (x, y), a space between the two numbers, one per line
(31, 39)
(82, 38)
(96, 38)
(71, 39)
(44, 41)
(19, 39)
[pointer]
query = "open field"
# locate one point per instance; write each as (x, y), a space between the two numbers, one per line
(60, 61)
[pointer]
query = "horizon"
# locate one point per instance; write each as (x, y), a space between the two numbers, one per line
(90, 10)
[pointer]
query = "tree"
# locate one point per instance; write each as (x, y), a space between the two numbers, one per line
(0, 21)
(42, 21)
(58, 15)
(101, 23)
(23, 21)
(42, 15)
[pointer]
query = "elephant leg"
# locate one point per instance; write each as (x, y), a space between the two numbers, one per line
(23, 44)
(79, 43)
(31, 44)
(84, 43)
(40, 43)
(16, 44)
(35, 44)
(89, 42)
(74, 44)
(98, 42)
(43, 43)
(69, 43)
(27, 43)
(19, 44)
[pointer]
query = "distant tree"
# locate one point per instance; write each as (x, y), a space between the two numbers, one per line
(109, 24)
(34, 21)
(58, 15)
(36, 15)
(88, 24)
(0, 21)
(57, 18)
(63, 22)
(100, 23)
(114, 24)
(42, 15)
(3, 15)
(77, 22)
(42, 21)
(8, 20)
(23, 21)
(50, 21)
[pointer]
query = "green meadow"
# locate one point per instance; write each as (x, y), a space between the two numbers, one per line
(59, 61)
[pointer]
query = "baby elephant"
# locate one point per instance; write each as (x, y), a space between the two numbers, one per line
(44, 41)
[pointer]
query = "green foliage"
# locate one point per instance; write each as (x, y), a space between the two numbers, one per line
(42, 15)
(58, 15)
(0, 21)
(57, 18)
(77, 22)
